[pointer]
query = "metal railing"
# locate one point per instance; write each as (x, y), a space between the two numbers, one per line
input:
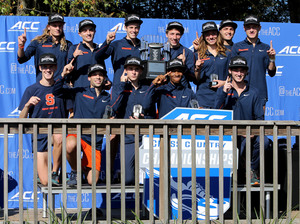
(163, 128)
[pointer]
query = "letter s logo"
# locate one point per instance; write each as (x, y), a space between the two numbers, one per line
(50, 99)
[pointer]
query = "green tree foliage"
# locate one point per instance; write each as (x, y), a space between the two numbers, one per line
(267, 10)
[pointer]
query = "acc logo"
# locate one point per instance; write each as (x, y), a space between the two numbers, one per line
(121, 28)
(187, 116)
(28, 196)
(7, 46)
(15, 113)
(290, 51)
(30, 26)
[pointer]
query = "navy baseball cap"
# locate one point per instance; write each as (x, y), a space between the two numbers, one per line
(47, 59)
(55, 17)
(133, 18)
(175, 64)
(227, 22)
(238, 62)
(86, 22)
(95, 68)
(134, 61)
(251, 19)
(208, 26)
(176, 25)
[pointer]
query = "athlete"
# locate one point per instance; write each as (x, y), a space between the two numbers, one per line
(129, 96)
(227, 30)
(89, 102)
(174, 32)
(211, 66)
(84, 53)
(52, 40)
(38, 101)
(260, 56)
(169, 94)
(244, 100)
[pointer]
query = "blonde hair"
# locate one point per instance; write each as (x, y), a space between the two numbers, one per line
(46, 33)
(221, 49)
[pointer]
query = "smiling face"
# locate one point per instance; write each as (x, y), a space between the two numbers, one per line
(252, 31)
(87, 34)
(227, 33)
(173, 36)
(238, 74)
(47, 71)
(132, 30)
(56, 29)
(96, 79)
(176, 76)
(210, 37)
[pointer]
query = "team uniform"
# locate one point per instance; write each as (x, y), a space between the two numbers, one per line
(190, 63)
(50, 106)
(168, 97)
(119, 50)
(36, 49)
(79, 75)
(258, 61)
(212, 65)
(247, 106)
(86, 105)
(126, 96)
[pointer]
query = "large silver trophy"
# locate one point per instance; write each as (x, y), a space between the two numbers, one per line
(154, 52)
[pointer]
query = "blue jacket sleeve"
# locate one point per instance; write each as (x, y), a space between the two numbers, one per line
(149, 98)
(29, 52)
(103, 52)
(117, 99)
(220, 102)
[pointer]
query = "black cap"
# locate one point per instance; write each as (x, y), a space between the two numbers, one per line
(176, 25)
(55, 17)
(97, 67)
(47, 59)
(133, 61)
(175, 64)
(86, 22)
(133, 18)
(227, 22)
(238, 62)
(251, 19)
(208, 26)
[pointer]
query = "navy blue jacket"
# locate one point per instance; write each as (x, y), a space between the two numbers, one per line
(212, 65)
(258, 62)
(189, 74)
(119, 50)
(86, 104)
(36, 49)
(124, 100)
(79, 75)
(247, 106)
(168, 97)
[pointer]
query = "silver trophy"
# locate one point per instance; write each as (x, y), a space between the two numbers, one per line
(213, 78)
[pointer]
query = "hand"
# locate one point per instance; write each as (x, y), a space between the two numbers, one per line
(134, 117)
(271, 52)
(34, 100)
(107, 85)
(228, 85)
(68, 68)
(160, 79)
(111, 36)
(196, 42)
(219, 83)
(199, 63)
(77, 52)
(182, 56)
(22, 39)
(124, 77)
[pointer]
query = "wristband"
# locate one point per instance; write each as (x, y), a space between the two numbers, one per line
(20, 46)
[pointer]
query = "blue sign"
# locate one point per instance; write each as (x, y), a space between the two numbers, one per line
(191, 114)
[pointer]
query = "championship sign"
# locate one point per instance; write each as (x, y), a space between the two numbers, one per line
(191, 114)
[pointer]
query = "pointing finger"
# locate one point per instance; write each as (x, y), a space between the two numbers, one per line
(197, 35)
(271, 44)
(77, 46)
(183, 52)
(25, 32)
(198, 56)
(71, 62)
(116, 30)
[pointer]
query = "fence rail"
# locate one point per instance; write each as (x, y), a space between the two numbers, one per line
(163, 128)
